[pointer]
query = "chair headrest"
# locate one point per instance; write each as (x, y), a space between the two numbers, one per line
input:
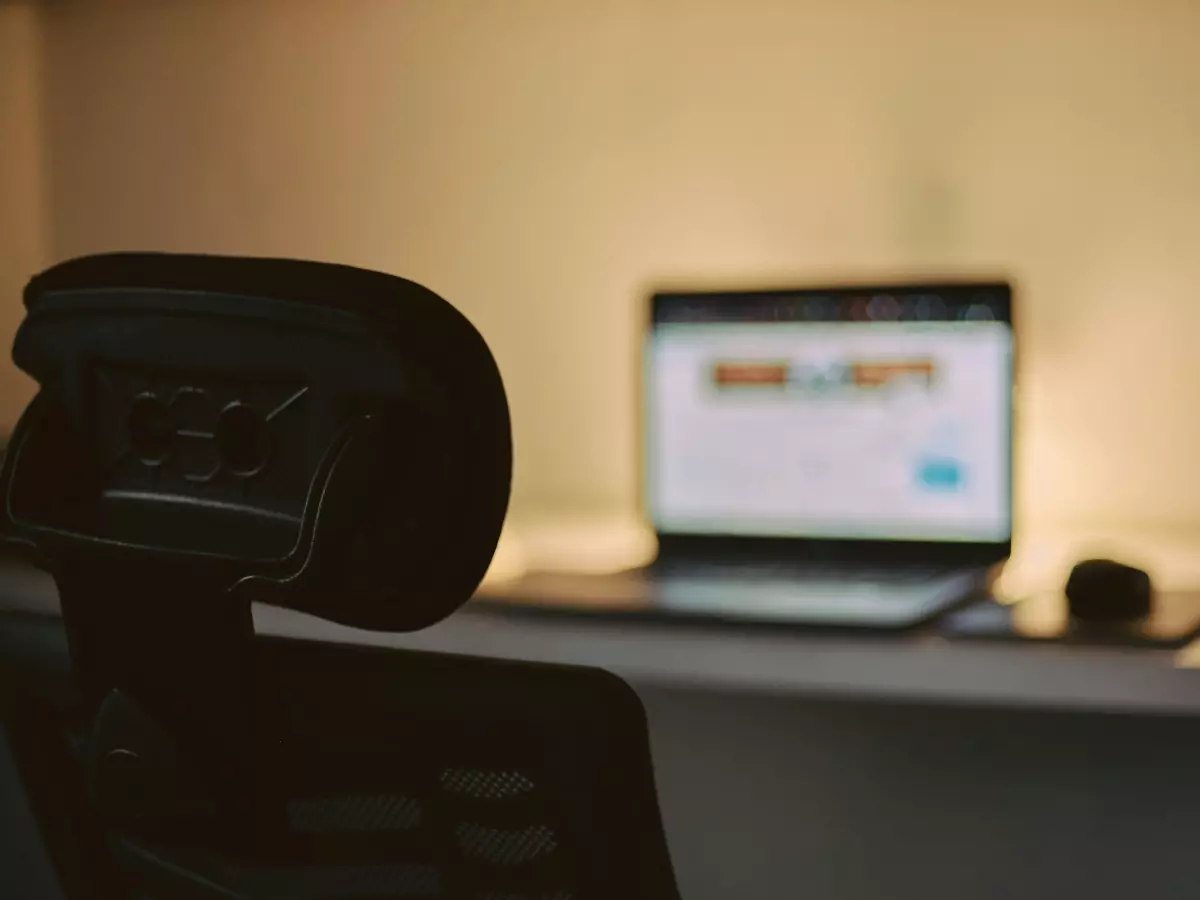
(316, 436)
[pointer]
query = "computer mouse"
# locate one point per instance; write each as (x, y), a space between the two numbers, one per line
(1103, 591)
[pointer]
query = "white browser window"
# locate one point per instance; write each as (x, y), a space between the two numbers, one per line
(886, 430)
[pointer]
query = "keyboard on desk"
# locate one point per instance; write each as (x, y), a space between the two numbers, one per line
(801, 573)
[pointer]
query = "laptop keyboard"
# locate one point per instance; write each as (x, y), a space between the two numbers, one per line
(821, 593)
(804, 573)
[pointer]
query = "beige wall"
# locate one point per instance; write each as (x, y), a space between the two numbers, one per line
(540, 162)
(22, 235)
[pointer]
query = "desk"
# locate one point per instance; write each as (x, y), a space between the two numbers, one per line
(922, 667)
(988, 772)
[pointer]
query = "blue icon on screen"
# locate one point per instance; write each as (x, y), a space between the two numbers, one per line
(939, 466)
(943, 474)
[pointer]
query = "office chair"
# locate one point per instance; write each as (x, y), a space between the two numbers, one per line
(212, 432)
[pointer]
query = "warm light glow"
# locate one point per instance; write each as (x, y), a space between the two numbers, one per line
(508, 563)
(543, 170)
(577, 544)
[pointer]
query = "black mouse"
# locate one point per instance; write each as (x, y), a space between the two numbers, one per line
(1103, 591)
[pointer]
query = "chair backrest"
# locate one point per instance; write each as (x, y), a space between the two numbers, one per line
(394, 774)
(388, 774)
(164, 492)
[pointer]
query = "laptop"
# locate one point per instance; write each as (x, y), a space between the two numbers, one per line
(835, 456)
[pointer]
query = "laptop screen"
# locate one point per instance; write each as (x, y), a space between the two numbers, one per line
(863, 413)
